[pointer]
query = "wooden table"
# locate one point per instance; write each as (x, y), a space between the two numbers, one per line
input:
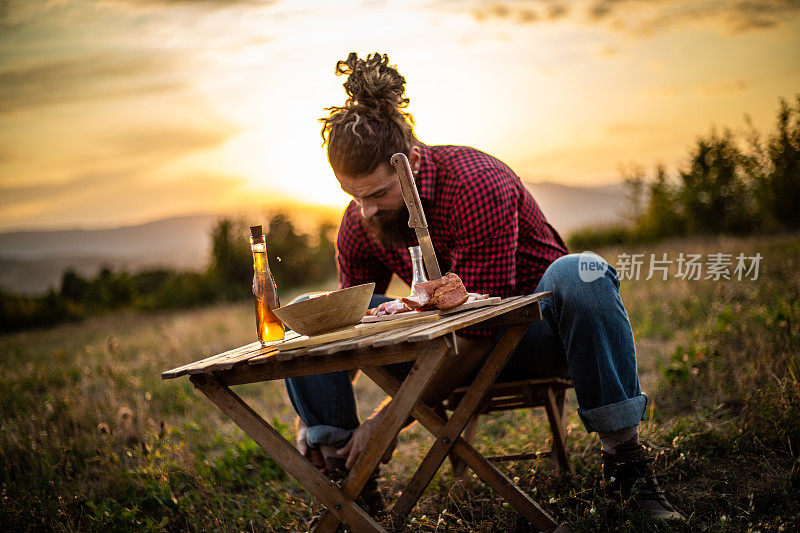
(429, 345)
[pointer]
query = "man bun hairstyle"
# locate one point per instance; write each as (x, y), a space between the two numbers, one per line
(371, 126)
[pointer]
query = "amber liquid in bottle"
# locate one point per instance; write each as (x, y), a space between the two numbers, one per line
(265, 293)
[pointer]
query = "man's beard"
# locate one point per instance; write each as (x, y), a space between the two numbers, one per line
(389, 227)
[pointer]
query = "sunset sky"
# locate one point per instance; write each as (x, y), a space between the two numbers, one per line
(120, 112)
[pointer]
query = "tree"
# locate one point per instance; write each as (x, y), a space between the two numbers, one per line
(633, 180)
(295, 259)
(757, 168)
(784, 154)
(661, 219)
(231, 258)
(714, 196)
(74, 287)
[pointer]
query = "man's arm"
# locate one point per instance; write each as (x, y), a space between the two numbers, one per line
(355, 265)
(484, 258)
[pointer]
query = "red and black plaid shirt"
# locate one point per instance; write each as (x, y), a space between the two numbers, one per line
(485, 226)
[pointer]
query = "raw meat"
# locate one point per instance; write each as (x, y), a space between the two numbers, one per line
(444, 293)
(448, 293)
(389, 308)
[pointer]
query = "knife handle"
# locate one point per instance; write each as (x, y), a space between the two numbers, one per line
(416, 216)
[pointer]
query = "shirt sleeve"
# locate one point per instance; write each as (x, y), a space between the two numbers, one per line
(487, 231)
(355, 262)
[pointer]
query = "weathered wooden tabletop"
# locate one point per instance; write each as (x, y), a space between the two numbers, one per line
(253, 362)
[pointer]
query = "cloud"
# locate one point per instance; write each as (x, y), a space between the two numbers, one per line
(600, 10)
(13, 196)
(608, 52)
(112, 196)
(84, 78)
(214, 4)
(18, 15)
(639, 17)
(646, 17)
(33, 27)
(664, 91)
(167, 142)
(723, 87)
(556, 11)
(528, 16)
(518, 12)
(133, 155)
(710, 90)
(26, 11)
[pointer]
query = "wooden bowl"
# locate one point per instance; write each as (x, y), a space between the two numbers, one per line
(328, 312)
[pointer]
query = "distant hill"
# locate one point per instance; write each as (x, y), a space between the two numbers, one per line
(570, 208)
(162, 238)
(32, 261)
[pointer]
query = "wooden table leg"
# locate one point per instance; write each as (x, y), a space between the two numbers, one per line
(504, 486)
(490, 475)
(459, 467)
(285, 454)
(559, 431)
(462, 414)
(394, 417)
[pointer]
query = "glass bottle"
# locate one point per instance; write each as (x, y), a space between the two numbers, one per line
(417, 267)
(265, 293)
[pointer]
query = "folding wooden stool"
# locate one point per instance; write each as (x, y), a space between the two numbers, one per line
(506, 396)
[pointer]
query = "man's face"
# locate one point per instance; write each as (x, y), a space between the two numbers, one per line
(380, 199)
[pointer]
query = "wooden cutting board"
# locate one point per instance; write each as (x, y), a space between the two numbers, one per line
(359, 330)
(474, 304)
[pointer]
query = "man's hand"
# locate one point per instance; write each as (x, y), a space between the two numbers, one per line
(315, 456)
(358, 441)
(471, 352)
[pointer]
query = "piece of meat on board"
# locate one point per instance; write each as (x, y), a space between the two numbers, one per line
(389, 308)
(443, 293)
(415, 301)
(449, 293)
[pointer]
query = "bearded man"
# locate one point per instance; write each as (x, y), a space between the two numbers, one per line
(487, 228)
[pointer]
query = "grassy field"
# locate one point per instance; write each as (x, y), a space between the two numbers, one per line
(92, 439)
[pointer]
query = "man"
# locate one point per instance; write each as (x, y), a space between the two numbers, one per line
(487, 228)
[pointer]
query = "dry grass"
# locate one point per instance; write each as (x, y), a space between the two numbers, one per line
(93, 439)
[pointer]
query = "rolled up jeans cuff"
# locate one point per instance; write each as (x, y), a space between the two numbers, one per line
(615, 416)
(317, 436)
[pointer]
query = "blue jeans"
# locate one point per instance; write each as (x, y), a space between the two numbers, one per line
(584, 334)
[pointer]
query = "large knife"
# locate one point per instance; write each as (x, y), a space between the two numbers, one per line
(416, 216)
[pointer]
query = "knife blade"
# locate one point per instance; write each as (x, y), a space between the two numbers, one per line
(416, 216)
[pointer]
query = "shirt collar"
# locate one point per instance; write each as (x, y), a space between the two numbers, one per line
(426, 178)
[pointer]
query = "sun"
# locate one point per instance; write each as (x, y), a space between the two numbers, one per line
(286, 162)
